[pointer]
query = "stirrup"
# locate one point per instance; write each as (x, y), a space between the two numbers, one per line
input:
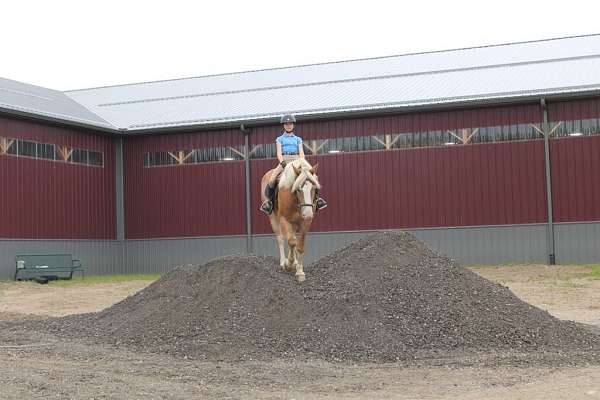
(267, 207)
(321, 204)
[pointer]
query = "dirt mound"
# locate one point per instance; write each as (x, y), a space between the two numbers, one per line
(383, 298)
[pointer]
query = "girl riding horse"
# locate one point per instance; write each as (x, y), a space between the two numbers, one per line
(289, 148)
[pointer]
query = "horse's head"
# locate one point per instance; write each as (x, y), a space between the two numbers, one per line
(305, 188)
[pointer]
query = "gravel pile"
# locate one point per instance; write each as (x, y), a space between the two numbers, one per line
(386, 297)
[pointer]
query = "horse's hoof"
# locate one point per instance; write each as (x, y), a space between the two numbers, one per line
(300, 278)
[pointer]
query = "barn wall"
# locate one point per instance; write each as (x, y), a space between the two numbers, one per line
(576, 178)
(160, 255)
(409, 122)
(43, 199)
(99, 257)
(575, 243)
(574, 109)
(468, 245)
(575, 161)
(181, 201)
(482, 184)
(412, 188)
(481, 203)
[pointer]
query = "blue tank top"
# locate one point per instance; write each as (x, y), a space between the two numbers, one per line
(290, 143)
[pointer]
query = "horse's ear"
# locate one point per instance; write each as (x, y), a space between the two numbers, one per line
(313, 170)
(296, 169)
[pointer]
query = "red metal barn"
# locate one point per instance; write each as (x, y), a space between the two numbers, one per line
(485, 153)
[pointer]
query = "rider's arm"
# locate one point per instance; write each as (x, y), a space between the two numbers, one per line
(301, 150)
(279, 155)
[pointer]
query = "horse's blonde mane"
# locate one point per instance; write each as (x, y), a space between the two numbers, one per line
(288, 176)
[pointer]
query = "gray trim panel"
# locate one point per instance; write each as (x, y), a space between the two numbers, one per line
(575, 243)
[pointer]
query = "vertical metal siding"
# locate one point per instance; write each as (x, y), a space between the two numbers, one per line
(469, 245)
(482, 184)
(161, 255)
(183, 201)
(370, 190)
(410, 122)
(575, 164)
(574, 109)
(100, 257)
(53, 200)
(577, 242)
(576, 178)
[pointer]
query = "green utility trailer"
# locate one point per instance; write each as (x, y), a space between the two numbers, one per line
(46, 267)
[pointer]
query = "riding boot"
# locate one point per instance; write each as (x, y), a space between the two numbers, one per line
(267, 205)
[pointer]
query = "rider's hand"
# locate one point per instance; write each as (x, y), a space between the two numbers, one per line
(282, 163)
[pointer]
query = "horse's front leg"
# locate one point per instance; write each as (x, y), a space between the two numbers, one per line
(282, 259)
(300, 266)
(279, 238)
(292, 261)
(290, 234)
(300, 256)
(286, 230)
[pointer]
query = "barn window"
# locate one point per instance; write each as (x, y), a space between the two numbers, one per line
(51, 152)
(45, 151)
(193, 156)
(26, 148)
(79, 156)
(95, 158)
(383, 142)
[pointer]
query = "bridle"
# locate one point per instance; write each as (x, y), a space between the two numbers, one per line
(314, 202)
(299, 184)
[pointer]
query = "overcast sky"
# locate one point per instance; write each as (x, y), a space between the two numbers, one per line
(78, 44)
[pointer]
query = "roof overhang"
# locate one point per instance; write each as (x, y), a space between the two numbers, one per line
(370, 111)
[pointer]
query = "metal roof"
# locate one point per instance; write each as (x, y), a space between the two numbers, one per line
(22, 98)
(508, 71)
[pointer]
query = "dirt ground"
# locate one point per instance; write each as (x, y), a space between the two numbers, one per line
(42, 366)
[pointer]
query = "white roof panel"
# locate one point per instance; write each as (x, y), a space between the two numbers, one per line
(29, 99)
(544, 68)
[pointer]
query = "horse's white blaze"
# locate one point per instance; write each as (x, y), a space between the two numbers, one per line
(307, 211)
(313, 179)
(299, 181)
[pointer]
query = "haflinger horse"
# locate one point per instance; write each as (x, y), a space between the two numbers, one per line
(293, 211)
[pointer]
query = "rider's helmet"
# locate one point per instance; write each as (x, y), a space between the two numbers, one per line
(287, 118)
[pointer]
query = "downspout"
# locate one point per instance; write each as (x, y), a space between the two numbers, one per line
(120, 198)
(246, 132)
(550, 230)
